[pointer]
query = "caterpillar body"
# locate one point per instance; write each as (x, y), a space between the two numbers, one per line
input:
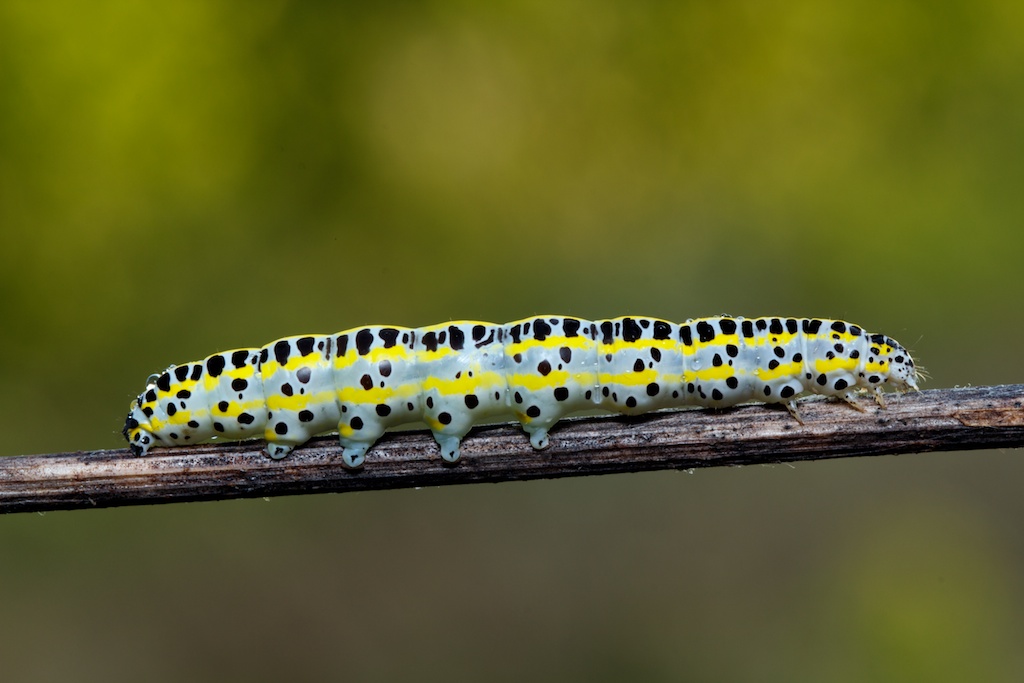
(455, 375)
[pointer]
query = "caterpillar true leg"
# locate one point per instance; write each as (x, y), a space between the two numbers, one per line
(880, 399)
(850, 399)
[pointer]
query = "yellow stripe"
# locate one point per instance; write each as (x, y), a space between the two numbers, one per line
(709, 374)
(179, 418)
(549, 343)
(824, 365)
(235, 408)
(530, 382)
(632, 379)
(297, 402)
(187, 385)
(831, 335)
(358, 395)
(720, 340)
(465, 384)
(878, 367)
(762, 338)
(246, 372)
(292, 364)
(182, 417)
(378, 354)
(619, 345)
(784, 370)
(443, 350)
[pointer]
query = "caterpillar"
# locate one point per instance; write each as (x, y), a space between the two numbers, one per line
(455, 375)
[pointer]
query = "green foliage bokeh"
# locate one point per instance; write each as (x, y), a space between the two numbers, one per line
(179, 179)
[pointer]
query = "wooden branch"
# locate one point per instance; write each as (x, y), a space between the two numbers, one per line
(939, 420)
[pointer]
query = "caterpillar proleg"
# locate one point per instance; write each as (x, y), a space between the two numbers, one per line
(455, 375)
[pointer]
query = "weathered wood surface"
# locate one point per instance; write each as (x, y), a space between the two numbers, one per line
(936, 420)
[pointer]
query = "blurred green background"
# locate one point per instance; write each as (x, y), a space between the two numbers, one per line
(178, 179)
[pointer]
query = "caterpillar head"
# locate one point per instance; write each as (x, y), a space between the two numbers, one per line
(138, 431)
(896, 363)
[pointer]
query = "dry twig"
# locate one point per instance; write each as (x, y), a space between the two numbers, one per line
(938, 420)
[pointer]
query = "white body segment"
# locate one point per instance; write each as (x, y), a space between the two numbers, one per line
(453, 376)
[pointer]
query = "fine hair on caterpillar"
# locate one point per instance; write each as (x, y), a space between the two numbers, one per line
(452, 376)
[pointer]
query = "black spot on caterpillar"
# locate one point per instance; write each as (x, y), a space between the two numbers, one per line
(453, 376)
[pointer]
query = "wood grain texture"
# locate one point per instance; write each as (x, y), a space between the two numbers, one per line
(936, 420)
